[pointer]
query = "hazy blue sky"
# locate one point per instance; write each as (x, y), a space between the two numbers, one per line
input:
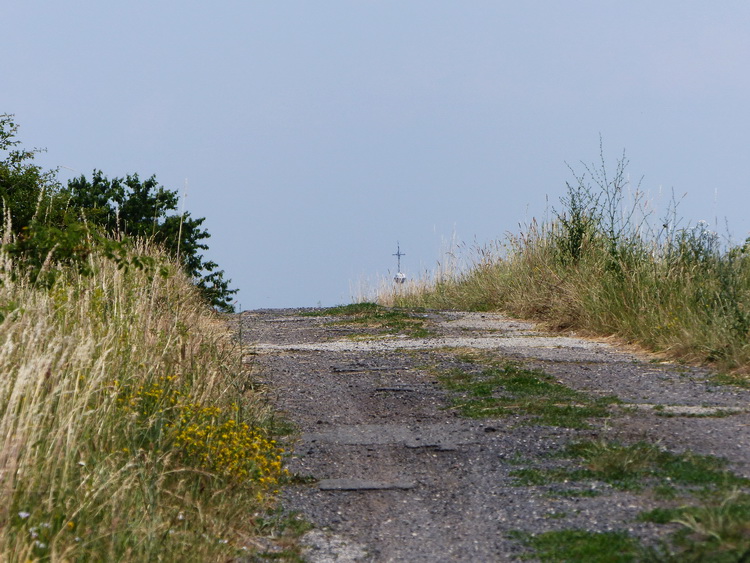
(315, 135)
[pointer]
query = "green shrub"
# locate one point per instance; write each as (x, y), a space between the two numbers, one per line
(51, 223)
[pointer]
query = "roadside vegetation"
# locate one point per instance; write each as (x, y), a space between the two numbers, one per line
(128, 429)
(126, 432)
(704, 503)
(372, 316)
(508, 389)
(602, 264)
(707, 509)
(66, 223)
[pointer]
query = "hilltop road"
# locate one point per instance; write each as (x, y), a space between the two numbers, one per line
(399, 473)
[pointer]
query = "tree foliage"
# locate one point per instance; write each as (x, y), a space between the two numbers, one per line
(68, 223)
(24, 187)
(133, 207)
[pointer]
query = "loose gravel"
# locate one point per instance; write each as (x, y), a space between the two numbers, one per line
(399, 476)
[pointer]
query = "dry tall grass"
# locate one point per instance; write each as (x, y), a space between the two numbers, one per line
(680, 293)
(126, 430)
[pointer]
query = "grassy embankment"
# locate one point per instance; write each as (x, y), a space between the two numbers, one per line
(603, 266)
(127, 429)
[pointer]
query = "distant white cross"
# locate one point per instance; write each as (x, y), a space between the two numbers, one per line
(400, 278)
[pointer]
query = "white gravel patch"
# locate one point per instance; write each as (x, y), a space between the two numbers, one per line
(488, 322)
(402, 343)
(327, 547)
(687, 410)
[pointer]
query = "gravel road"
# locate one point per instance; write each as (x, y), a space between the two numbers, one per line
(400, 476)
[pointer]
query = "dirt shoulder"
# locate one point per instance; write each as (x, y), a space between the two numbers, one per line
(400, 471)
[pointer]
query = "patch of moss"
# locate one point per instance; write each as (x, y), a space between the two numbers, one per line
(378, 318)
(581, 545)
(513, 390)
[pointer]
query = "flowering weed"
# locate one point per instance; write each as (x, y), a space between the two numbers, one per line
(123, 433)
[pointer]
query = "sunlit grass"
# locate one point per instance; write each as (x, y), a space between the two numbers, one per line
(124, 432)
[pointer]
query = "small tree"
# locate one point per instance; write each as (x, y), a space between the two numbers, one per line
(51, 221)
(141, 208)
(25, 189)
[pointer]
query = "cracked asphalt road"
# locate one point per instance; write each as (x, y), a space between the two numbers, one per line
(399, 476)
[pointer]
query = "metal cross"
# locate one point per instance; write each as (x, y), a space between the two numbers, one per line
(399, 254)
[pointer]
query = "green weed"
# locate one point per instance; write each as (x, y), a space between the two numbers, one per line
(574, 493)
(715, 523)
(352, 309)
(718, 530)
(627, 466)
(376, 317)
(581, 545)
(635, 467)
(512, 390)
(735, 379)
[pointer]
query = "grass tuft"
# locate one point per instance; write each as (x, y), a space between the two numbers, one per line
(512, 390)
(717, 531)
(376, 317)
(581, 545)
(633, 467)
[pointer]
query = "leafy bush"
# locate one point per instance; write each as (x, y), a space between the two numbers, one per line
(139, 208)
(25, 189)
(64, 224)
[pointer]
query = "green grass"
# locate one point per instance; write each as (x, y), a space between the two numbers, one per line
(581, 545)
(635, 467)
(732, 379)
(704, 498)
(513, 390)
(714, 515)
(353, 309)
(373, 317)
(626, 465)
(572, 493)
(718, 530)
(708, 528)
